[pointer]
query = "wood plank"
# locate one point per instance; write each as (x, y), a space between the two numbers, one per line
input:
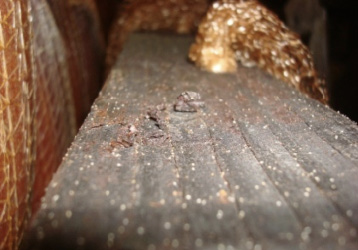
(259, 167)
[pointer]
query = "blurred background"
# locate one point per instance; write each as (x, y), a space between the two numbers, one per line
(330, 29)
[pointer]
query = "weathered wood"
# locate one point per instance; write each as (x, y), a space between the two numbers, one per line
(259, 167)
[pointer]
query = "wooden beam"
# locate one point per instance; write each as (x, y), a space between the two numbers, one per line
(259, 167)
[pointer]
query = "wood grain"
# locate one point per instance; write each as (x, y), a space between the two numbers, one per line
(259, 167)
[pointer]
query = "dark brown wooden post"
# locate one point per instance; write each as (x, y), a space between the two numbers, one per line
(259, 167)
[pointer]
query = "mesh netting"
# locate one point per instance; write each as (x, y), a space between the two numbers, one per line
(49, 76)
(16, 120)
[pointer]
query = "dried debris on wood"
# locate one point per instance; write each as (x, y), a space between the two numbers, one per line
(188, 101)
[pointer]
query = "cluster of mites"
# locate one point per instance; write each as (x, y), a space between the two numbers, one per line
(228, 31)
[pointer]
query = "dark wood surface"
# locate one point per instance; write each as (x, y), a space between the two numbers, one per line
(259, 167)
